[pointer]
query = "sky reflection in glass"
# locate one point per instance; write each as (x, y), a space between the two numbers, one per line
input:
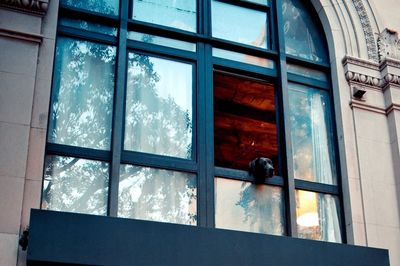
(238, 24)
(179, 14)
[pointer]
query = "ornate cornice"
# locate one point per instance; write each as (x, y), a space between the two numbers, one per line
(367, 28)
(360, 62)
(38, 7)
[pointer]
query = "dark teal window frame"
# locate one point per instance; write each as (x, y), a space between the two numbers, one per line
(202, 163)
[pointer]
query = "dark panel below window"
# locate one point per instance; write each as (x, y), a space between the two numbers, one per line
(56, 237)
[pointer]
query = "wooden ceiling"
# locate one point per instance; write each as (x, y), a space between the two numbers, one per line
(244, 121)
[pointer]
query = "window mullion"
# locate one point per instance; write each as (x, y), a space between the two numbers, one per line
(209, 134)
(285, 141)
(117, 132)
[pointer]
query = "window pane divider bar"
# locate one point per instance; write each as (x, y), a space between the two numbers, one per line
(307, 63)
(79, 152)
(324, 85)
(159, 161)
(317, 187)
(244, 176)
(209, 134)
(82, 13)
(94, 17)
(86, 35)
(161, 50)
(285, 142)
(118, 111)
(253, 69)
(247, 4)
(201, 139)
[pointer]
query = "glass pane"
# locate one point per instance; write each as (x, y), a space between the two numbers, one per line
(307, 72)
(89, 26)
(243, 206)
(75, 185)
(244, 58)
(239, 24)
(82, 101)
(302, 37)
(110, 7)
(312, 135)
(244, 121)
(317, 216)
(148, 38)
(180, 14)
(157, 195)
(159, 106)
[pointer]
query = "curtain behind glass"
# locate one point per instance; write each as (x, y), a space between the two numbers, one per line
(311, 132)
(328, 209)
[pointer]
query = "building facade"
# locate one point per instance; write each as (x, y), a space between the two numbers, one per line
(357, 72)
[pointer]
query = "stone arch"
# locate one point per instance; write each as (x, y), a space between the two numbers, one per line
(351, 30)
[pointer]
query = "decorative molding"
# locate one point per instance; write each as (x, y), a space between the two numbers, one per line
(390, 79)
(360, 62)
(30, 37)
(362, 79)
(38, 7)
(367, 28)
(388, 45)
(367, 107)
(364, 73)
(390, 62)
(393, 107)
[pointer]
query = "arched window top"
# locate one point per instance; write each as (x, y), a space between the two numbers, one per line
(303, 38)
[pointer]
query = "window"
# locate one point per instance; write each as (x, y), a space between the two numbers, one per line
(158, 107)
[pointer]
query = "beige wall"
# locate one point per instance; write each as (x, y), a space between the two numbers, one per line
(368, 129)
(26, 56)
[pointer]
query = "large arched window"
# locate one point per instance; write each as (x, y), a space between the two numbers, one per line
(158, 108)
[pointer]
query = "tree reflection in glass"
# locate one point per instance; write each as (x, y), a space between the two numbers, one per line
(109, 7)
(82, 99)
(75, 185)
(312, 135)
(158, 106)
(302, 36)
(157, 195)
(241, 205)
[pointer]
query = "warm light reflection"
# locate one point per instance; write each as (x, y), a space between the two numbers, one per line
(307, 209)
(308, 219)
